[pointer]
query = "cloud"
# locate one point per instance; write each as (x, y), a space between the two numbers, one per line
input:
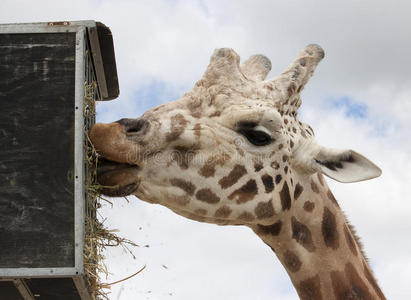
(162, 49)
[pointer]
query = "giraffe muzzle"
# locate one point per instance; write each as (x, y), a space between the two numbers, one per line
(117, 179)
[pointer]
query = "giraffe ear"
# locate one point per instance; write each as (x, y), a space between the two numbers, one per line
(345, 165)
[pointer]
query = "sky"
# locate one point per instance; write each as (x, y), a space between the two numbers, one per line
(359, 98)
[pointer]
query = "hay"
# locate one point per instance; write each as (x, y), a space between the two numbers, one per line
(97, 236)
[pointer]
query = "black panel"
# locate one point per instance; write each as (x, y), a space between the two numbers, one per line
(8, 291)
(53, 289)
(37, 83)
(109, 60)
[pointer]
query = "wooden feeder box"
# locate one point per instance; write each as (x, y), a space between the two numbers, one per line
(45, 71)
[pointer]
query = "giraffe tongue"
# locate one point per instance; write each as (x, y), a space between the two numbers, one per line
(117, 179)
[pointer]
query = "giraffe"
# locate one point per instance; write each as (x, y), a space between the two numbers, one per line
(232, 152)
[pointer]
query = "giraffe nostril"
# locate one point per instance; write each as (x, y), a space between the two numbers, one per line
(132, 126)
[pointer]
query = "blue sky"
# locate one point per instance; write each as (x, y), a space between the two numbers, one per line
(359, 98)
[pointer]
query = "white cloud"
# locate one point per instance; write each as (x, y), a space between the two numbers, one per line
(367, 58)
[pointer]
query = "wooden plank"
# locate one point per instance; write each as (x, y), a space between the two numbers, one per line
(36, 157)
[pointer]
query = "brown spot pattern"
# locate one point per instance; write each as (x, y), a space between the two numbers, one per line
(223, 212)
(246, 216)
(186, 186)
(268, 183)
(320, 178)
(309, 206)
(236, 173)
(314, 187)
(208, 170)
(273, 229)
(275, 165)
(291, 261)
(350, 240)
(302, 234)
(200, 211)
(182, 156)
(206, 195)
(285, 197)
(264, 210)
(329, 229)
(332, 198)
(197, 131)
(245, 193)
(297, 191)
(258, 166)
(348, 284)
(278, 178)
(310, 289)
(178, 125)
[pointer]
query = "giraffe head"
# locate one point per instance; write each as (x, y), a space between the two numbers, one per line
(230, 151)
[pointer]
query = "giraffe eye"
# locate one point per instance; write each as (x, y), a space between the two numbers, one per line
(256, 137)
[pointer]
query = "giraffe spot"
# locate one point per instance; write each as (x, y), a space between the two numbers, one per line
(278, 179)
(297, 191)
(285, 197)
(200, 211)
(350, 240)
(273, 229)
(236, 173)
(275, 165)
(294, 130)
(182, 156)
(223, 212)
(291, 144)
(310, 289)
(286, 169)
(309, 206)
(291, 261)
(348, 284)
(180, 200)
(302, 234)
(320, 178)
(245, 193)
(314, 187)
(309, 133)
(268, 183)
(206, 195)
(332, 198)
(285, 158)
(246, 217)
(280, 146)
(177, 127)
(329, 229)
(195, 108)
(372, 281)
(285, 121)
(186, 186)
(264, 210)
(197, 131)
(258, 166)
(208, 170)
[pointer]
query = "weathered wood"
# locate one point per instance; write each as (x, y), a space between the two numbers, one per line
(36, 150)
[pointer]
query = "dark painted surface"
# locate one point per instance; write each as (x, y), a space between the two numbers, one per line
(109, 60)
(53, 288)
(8, 291)
(36, 150)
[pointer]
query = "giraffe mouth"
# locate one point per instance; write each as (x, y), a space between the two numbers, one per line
(117, 179)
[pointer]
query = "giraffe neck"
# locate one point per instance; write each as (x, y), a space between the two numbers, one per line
(315, 244)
